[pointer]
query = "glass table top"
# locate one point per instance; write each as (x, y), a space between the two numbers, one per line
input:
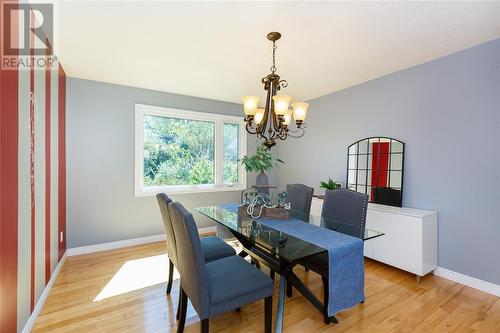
(280, 243)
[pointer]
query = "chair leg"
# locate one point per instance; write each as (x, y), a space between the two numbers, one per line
(268, 314)
(288, 287)
(326, 293)
(170, 275)
(182, 316)
(326, 319)
(204, 326)
(179, 305)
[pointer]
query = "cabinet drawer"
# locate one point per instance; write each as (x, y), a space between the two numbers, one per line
(401, 246)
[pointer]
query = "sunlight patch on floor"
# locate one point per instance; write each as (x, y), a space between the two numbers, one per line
(137, 274)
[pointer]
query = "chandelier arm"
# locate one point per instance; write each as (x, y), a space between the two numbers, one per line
(278, 133)
(250, 129)
(275, 121)
(272, 135)
(301, 128)
(261, 136)
(281, 124)
(298, 133)
(283, 83)
(266, 111)
(283, 134)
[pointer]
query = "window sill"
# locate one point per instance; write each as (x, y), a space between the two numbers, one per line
(188, 189)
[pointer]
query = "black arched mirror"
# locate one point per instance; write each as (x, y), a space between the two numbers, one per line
(375, 167)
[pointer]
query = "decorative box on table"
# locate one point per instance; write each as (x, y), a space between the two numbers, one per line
(275, 213)
(261, 203)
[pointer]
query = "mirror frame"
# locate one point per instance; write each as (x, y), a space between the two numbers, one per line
(391, 140)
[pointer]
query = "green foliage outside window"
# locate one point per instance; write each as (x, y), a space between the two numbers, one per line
(178, 151)
(230, 172)
(182, 152)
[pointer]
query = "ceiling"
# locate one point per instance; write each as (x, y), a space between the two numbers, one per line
(219, 50)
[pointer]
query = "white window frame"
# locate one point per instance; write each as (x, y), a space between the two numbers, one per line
(219, 120)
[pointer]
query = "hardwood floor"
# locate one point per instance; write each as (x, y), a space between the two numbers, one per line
(93, 294)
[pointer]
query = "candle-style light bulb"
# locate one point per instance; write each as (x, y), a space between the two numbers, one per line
(250, 104)
(300, 111)
(281, 103)
(259, 116)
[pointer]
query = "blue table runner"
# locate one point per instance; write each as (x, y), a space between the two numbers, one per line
(345, 254)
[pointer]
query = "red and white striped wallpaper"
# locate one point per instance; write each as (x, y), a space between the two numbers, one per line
(33, 187)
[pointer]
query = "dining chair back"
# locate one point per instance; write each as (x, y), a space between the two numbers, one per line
(300, 197)
(346, 206)
(163, 201)
(214, 287)
(191, 259)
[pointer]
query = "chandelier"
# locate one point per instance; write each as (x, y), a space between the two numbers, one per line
(273, 121)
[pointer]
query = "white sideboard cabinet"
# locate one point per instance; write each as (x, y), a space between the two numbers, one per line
(410, 240)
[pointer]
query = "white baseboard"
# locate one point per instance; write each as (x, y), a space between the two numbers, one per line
(469, 281)
(43, 297)
(114, 245)
(124, 243)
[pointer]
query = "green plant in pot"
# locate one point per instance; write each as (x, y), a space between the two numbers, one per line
(330, 184)
(260, 162)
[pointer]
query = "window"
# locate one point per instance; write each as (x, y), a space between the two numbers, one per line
(179, 151)
(231, 138)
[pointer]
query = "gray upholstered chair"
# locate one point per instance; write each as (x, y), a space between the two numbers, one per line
(300, 197)
(219, 286)
(345, 206)
(213, 248)
(163, 201)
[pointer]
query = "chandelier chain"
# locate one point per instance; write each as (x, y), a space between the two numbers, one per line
(273, 67)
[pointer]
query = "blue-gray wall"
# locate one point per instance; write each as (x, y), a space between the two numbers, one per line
(447, 111)
(101, 206)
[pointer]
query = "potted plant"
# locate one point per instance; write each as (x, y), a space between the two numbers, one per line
(260, 162)
(330, 184)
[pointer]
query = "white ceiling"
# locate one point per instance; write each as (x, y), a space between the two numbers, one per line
(219, 50)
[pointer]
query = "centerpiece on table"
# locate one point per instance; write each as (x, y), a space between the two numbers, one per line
(257, 202)
(260, 162)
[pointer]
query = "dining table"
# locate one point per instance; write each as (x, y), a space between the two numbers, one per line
(280, 251)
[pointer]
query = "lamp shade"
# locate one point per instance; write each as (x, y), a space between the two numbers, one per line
(300, 111)
(281, 103)
(287, 118)
(250, 105)
(259, 116)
